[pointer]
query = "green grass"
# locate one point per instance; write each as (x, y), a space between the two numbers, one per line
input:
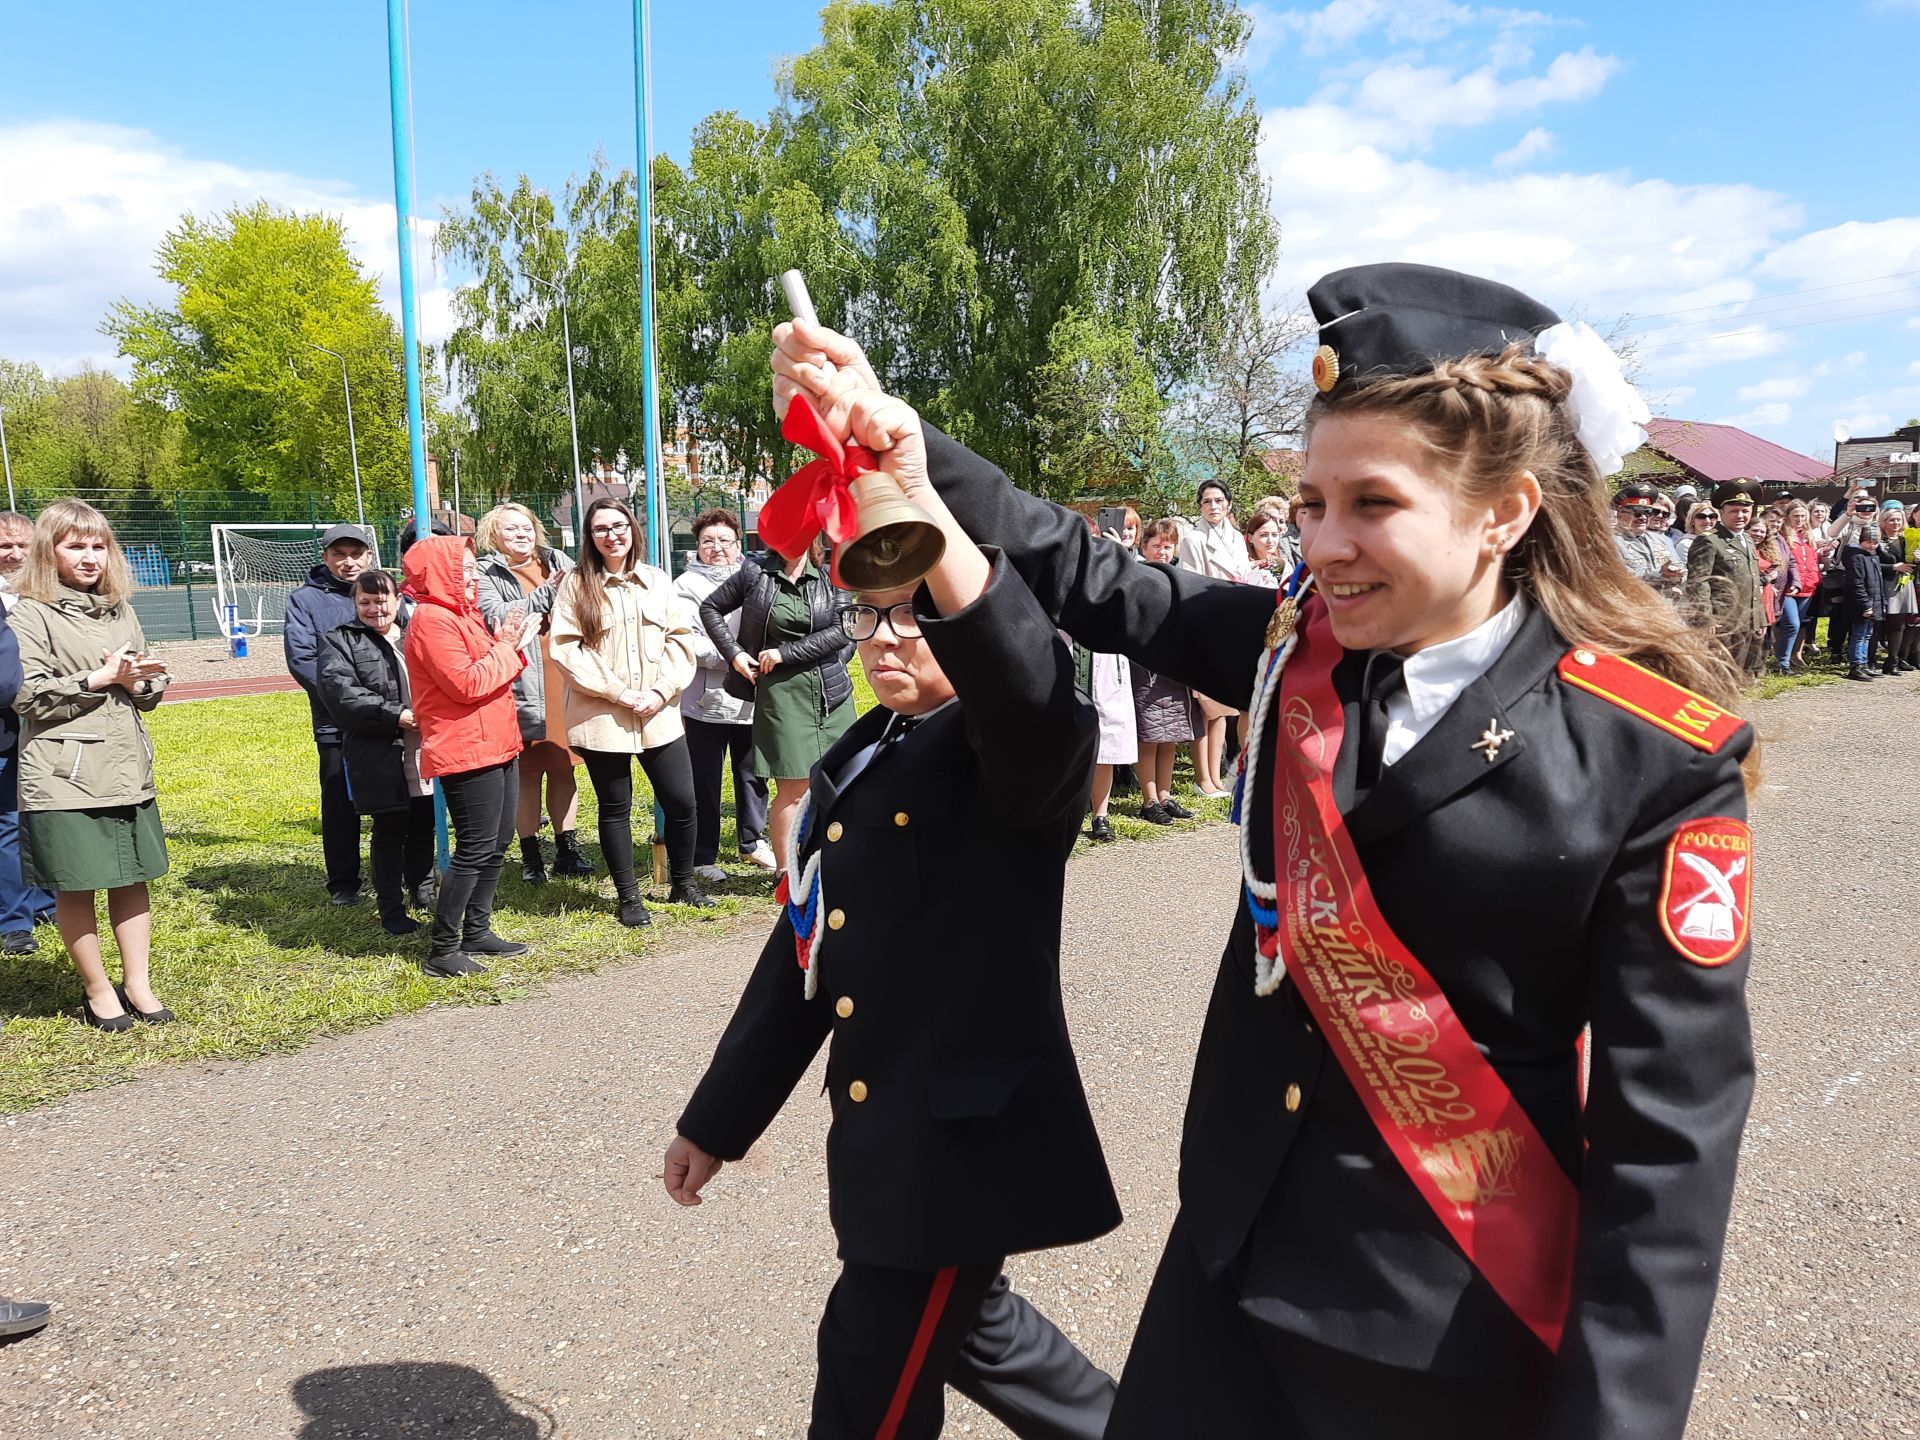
(1820, 671)
(247, 950)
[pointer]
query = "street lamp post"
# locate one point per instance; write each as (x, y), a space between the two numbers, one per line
(353, 444)
(573, 419)
(6, 459)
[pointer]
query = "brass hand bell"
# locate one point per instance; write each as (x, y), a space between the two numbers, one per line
(897, 544)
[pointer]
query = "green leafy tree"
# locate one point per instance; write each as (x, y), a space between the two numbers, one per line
(1251, 399)
(1016, 189)
(85, 433)
(260, 410)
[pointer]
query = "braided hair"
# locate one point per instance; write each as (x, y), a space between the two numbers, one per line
(1489, 418)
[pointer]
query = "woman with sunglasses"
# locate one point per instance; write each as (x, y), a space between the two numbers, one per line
(624, 637)
(790, 659)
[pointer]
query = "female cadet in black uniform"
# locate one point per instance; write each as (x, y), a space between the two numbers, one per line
(1505, 791)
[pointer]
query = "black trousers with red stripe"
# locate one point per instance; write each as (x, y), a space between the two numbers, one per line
(892, 1340)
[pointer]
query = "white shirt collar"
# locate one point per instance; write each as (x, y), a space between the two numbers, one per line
(1438, 675)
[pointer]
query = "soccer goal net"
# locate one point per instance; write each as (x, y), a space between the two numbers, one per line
(256, 567)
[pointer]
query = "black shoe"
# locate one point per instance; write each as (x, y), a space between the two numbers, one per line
(343, 897)
(1174, 808)
(533, 866)
(113, 1024)
(426, 894)
(401, 924)
(688, 892)
(1854, 672)
(46, 917)
(488, 943)
(162, 1016)
(18, 942)
(22, 1317)
(1101, 830)
(1908, 665)
(567, 859)
(633, 913)
(1155, 815)
(452, 963)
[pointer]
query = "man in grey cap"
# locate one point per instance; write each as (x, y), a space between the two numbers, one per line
(323, 603)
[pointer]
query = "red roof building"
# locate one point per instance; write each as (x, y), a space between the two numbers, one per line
(1713, 454)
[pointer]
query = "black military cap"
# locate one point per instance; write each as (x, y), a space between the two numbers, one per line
(1378, 320)
(1635, 494)
(1735, 492)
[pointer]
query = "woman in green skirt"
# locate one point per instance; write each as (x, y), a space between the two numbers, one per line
(88, 817)
(790, 660)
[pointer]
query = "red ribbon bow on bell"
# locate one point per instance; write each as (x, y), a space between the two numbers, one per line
(816, 497)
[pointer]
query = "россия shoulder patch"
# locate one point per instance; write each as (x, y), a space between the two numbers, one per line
(1706, 894)
(1654, 698)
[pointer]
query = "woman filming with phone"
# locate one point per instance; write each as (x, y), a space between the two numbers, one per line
(89, 818)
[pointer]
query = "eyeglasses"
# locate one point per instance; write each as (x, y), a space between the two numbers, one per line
(1706, 515)
(1642, 512)
(607, 532)
(717, 542)
(862, 622)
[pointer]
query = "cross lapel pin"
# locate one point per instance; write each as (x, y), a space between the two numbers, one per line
(1491, 740)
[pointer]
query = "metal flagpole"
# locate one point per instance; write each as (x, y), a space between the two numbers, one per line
(6, 460)
(657, 540)
(400, 97)
(657, 547)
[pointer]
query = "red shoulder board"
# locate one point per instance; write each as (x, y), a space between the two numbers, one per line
(1655, 699)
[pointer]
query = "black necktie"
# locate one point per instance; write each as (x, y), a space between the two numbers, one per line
(1385, 678)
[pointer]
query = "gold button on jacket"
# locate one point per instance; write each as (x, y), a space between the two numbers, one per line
(836, 830)
(843, 1007)
(857, 1091)
(900, 818)
(1293, 1097)
(836, 918)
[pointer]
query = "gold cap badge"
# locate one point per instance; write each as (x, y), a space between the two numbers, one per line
(1326, 368)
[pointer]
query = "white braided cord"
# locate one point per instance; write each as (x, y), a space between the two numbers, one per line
(804, 881)
(1267, 973)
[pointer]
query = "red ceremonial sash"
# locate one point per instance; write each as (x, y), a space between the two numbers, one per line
(1446, 1114)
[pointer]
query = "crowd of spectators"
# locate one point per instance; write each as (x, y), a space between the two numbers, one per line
(1763, 575)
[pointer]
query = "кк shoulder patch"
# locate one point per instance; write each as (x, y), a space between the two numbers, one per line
(1655, 699)
(1706, 894)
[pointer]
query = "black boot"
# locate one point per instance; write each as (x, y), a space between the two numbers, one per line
(533, 866)
(567, 859)
(1859, 672)
(632, 911)
(687, 891)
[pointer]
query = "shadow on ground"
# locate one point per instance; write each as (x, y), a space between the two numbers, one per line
(410, 1399)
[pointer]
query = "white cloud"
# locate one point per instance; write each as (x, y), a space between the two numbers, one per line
(1535, 143)
(1780, 387)
(88, 204)
(1767, 417)
(1418, 101)
(1420, 22)
(1858, 250)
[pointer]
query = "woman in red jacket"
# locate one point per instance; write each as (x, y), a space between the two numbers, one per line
(462, 677)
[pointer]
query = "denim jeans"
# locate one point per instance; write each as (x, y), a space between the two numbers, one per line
(1793, 613)
(19, 902)
(1860, 643)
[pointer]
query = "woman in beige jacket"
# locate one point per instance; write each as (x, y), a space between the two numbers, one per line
(89, 820)
(624, 639)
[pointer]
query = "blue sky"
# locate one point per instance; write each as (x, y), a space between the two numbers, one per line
(1750, 167)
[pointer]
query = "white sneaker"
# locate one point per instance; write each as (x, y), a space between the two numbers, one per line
(711, 874)
(761, 855)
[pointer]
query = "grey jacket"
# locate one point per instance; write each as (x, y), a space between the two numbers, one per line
(498, 589)
(80, 749)
(706, 698)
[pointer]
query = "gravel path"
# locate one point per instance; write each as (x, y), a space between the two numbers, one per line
(451, 1225)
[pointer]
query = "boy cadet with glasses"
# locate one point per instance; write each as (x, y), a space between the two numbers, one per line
(922, 906)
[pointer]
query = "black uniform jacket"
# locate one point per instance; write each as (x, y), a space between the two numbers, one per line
(359, 684)
(1530, 887)
(940, 976)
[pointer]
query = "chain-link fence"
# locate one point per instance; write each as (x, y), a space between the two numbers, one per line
(169, 539)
